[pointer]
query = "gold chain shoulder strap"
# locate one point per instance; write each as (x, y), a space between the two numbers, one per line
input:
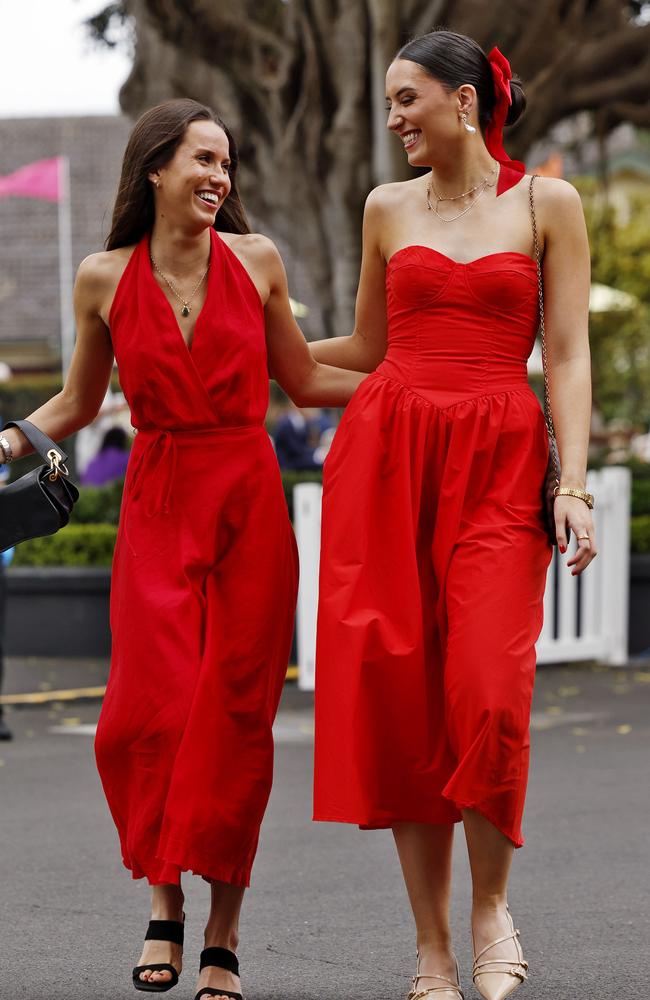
(540, 288)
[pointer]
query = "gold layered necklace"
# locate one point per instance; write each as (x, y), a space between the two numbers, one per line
(185, 303)
(488, 181)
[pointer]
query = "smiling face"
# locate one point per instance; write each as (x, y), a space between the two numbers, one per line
(423, 113)
(191, 188)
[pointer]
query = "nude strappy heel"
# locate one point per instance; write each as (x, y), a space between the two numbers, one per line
(420, 994)
(503, 975)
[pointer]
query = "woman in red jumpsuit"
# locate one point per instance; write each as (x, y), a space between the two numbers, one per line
(205, 567)
(434, 551)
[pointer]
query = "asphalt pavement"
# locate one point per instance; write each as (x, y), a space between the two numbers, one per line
(327, 916)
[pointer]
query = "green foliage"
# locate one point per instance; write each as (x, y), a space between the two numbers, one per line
(99, 504)
(74, 545)
(102, 503)
(620, 341)
(640, 534)
(85, 543)
(640, 496)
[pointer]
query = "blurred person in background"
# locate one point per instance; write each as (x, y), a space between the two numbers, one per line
(195, 309)
(5, 560)
(114, 412)
(110, 463)
(297, 437)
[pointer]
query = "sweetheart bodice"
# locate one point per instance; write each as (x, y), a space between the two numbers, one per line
(457, 330)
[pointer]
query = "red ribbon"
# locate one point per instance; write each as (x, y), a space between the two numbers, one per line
(502, 75)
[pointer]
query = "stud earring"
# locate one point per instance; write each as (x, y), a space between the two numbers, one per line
(463, 116)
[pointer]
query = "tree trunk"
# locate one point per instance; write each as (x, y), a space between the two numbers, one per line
(301, 83)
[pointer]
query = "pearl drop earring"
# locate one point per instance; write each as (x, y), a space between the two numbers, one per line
(470, 128)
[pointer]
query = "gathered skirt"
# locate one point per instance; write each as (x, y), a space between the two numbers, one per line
(433, 568)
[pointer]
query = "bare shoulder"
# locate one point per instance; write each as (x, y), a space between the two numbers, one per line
(556, 197)
(261, 258)
(258, 254)
(98, 276)
(387, 198)
(253, 246)
(101, 271)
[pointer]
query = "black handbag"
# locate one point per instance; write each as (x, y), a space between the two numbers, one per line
(40, 502)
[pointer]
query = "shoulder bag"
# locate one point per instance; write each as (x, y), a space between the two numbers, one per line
(40, 502)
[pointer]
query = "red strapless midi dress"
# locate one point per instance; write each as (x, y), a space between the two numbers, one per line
(434, 556)
(203, 586)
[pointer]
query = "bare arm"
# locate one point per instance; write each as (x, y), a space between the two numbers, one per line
(566, 308)
(366, 347)
(85, 387)
(306, 381)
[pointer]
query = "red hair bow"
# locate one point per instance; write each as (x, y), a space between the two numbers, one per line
(502, 74)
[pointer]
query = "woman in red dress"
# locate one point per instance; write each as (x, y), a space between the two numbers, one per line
(192, 306)
(434, 552)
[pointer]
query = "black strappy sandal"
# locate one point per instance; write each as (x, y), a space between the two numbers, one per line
(160, 930)
(220, 958)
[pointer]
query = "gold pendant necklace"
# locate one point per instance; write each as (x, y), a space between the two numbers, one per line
(485, 183)
(185, 311)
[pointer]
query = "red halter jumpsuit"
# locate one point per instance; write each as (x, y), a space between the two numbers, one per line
(204, 582)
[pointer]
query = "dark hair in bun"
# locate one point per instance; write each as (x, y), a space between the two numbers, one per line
(518, 105)
(455, 59)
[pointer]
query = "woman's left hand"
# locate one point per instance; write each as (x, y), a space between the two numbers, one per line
(573, 513)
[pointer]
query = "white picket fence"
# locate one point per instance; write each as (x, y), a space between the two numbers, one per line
(585, 617)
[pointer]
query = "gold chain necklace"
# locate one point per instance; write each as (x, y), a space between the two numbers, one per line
(485, 183)
(185, 311)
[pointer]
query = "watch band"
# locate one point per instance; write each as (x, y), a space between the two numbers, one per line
(6, 450)
(567, 491)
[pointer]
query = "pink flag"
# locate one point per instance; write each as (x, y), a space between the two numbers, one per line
(35, 180)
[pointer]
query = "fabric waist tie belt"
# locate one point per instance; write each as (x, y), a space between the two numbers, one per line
(156, 463)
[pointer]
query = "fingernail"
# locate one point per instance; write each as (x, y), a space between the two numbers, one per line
(562, 548)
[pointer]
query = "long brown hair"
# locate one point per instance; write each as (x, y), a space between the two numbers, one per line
(152, 144)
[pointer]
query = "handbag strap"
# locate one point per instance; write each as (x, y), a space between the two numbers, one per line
(548, 416)
(540, 289)
(39, 441)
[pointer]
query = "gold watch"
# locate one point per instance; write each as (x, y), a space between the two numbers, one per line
(568, 491)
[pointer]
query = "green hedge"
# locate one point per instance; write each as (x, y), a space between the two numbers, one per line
(640, 533)
(75, 545)
(87, 543)
(92, 545)
(102, 503)
(99, 504)
(640, 495)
